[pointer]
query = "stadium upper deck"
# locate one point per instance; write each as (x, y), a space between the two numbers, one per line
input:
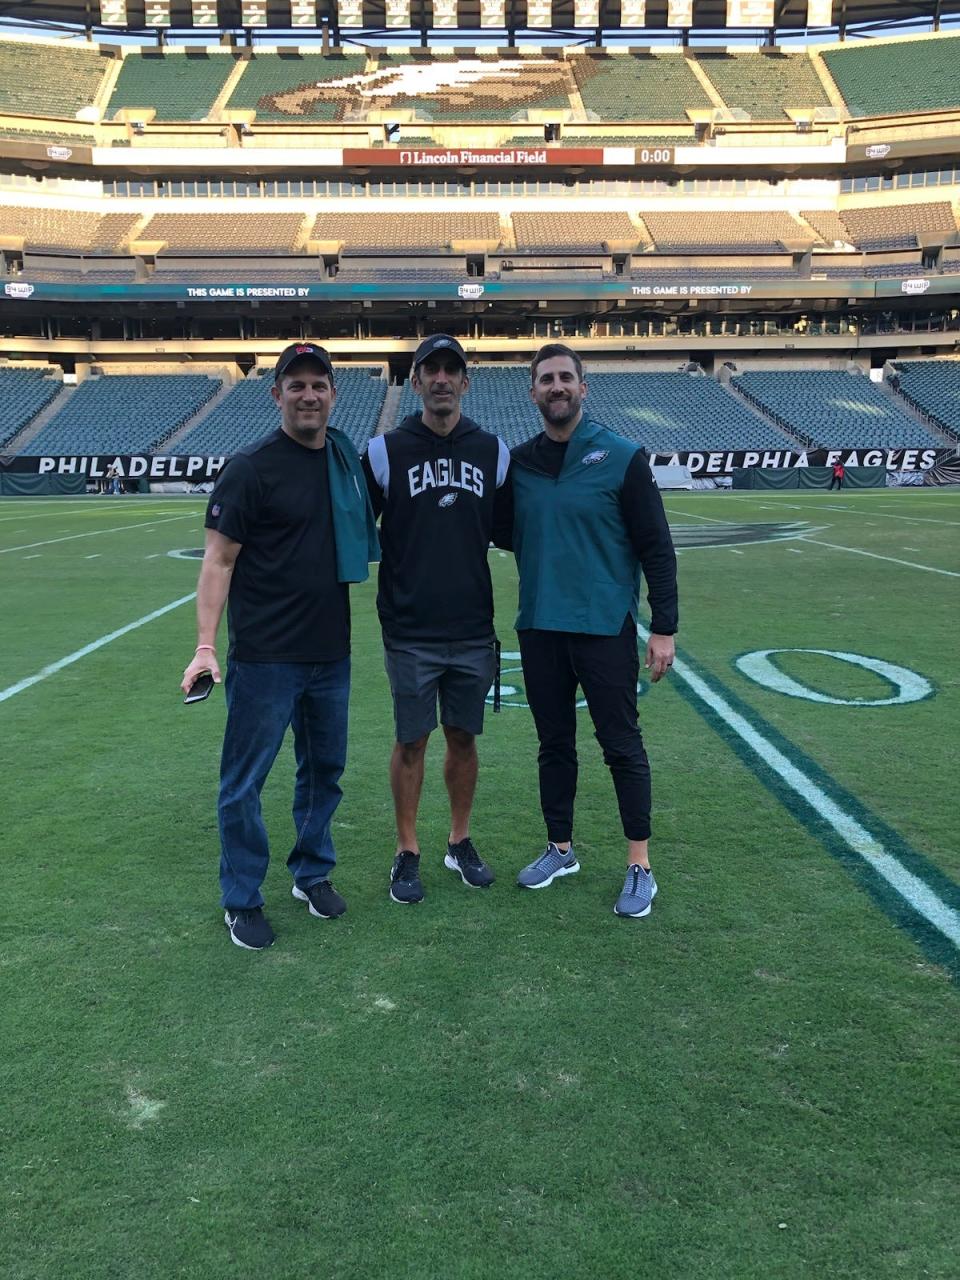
(55, 82)
(496, 184)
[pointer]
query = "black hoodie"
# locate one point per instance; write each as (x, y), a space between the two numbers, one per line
(435, 496)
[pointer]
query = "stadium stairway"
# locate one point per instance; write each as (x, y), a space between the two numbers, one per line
(707, 85)
(903, 404)
(203, 412)
(389, 413)
(32, 429)
(226, 92)
(727, 380)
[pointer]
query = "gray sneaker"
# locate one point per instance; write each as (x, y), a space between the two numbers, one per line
(639, 891)
(544, 870)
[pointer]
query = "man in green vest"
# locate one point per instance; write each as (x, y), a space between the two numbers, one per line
(587, 520)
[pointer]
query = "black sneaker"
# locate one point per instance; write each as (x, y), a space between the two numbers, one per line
(322, 898)
(405, 883)
(464, 858)
(249, 929)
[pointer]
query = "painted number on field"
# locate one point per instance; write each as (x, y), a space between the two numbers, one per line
(908, 686)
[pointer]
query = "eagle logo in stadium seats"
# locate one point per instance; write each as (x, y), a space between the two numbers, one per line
(598, 455)
(441, 88)
(448, 500)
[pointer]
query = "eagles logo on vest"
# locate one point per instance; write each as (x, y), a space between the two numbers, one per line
(448, 500)
(598, 455)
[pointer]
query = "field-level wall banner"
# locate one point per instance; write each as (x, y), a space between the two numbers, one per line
(807, 477)
(853, 478)
(19, 483)
(702, 464)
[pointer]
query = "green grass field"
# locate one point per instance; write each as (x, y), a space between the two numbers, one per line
(758, 1081)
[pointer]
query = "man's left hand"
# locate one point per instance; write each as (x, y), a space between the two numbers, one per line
(660, 654)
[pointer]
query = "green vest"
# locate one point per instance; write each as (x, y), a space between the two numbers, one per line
(578, 569)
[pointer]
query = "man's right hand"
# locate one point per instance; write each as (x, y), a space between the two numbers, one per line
(203, 660)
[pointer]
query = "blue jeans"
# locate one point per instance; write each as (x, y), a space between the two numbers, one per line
(263, 699)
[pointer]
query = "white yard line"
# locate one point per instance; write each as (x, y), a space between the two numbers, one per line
(59, 665)
(910, 564)
(911, 888)
(93, 533)
(693, 515)
(850, 511)
(60, 511)
(885, 515)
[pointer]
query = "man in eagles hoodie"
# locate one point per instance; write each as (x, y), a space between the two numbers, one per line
(434, 481)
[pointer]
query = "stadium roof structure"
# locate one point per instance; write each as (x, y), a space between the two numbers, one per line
(659, 16)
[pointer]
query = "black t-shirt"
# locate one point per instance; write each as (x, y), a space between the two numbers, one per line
(285, 603)
(550, 454)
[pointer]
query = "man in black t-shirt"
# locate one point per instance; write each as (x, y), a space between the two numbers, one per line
(434, 482)
(289, 524)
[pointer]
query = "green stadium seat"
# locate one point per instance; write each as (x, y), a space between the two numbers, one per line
(908, 76)
(248, 412)
(49, 80)
(933, 388)
(631, 86)
(833, 409)
(123, 413)
(23, 394)
(180, 86)
(764, 84)
(664, 412)
(296, 86)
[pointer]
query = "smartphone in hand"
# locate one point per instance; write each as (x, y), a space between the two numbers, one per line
(201, 688)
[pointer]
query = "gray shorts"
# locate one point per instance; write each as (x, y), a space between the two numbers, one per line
(460, 672)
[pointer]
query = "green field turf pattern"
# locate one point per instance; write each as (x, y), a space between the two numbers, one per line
(757, 1081)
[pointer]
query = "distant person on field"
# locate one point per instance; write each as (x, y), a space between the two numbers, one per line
(434, 481)
(289, 525)
(587, 519)
(837, 477)
(113, 479)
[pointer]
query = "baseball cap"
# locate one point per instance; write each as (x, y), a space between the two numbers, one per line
(302, 351)
(439, 342)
